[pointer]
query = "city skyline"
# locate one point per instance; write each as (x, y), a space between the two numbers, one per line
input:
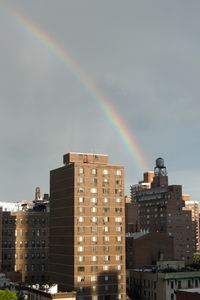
(113, 78)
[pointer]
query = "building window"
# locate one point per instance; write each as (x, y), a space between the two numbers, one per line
(118, 172)
(196, 283)
(118, 181)
(94, 229)
(81, 209)
(94, 180)
(80, 180)
(119, 228)
(81, 190)
(106, 278)
(106, 248)
(106, 229)
(106, 219)
(105, 200)
(94, 268)
(106, 209)
(80, 249)
(81, 258)
(105, 191)
(81, 238)
(172, 284)
(118, 257)
(81, 269)
(106, 258)
(94, 258)
(118, 219)
(93, 278)
(106, 180)
(119, 248)
(119, 238)
(189, 284)
(94, 200)
(94, 209)
(179, 284)
(118, 209)
(105, 172)
(94, 219)
(81, 278)
(94, 239)
(105, 267)
(81, 171)
(80, 229)
(81, 219)
(118, 200)
(119, 267)
(106, 238)
(94, 171)
(80, 199)
(94, 249)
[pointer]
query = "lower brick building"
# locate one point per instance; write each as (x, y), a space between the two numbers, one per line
(161, 283)
(161, 209)
(145, 249)
(47, 293)
(25, 241)
(190, 294)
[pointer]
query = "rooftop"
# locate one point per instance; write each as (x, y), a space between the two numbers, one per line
(196, 291)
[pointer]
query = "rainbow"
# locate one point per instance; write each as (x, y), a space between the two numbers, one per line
(104, 103)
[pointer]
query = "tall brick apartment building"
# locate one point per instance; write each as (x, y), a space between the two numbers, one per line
(160, 209)
(25, 241)
(193, 206)
(87, 227)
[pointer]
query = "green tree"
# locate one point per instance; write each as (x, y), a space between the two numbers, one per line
(7, 295)
(196, 258)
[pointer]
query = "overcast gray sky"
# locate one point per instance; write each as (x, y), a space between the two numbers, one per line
(143, 55)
